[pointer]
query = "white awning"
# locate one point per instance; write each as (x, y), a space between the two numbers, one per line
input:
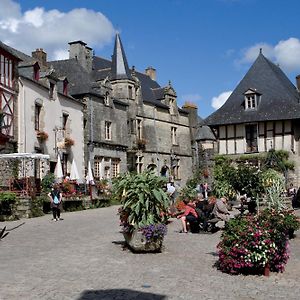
(25, 155)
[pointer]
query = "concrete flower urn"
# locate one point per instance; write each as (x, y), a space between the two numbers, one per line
(138, 242)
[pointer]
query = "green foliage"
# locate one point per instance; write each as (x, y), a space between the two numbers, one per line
(224, 172)
(36, 207)
(47, 182)
(273, 183)
(243, 175)
(8, 196)
(143, 199)
(188, 192)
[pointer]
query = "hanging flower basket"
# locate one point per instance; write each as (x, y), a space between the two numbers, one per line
(42, 135)
(69, 142)
(141, 144)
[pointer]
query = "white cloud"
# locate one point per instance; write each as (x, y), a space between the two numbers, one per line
(286, 53)
(52, 30)
(218, 101)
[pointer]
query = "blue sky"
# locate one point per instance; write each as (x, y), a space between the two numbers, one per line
(204, 47)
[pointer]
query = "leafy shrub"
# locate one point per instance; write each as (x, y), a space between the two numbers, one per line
(47, 182)
(36, 207)
(8, 196)
(144, 202)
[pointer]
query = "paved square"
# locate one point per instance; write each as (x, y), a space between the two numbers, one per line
(81, 257)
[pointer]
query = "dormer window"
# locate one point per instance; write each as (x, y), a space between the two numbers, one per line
(36, 72)
(65, 87)
(130, 93)
(172, 106)
(250, 101)
(252, 98)
(106, 98)
(51, 90)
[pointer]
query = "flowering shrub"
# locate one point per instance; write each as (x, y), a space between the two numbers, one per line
(249, 243)
(154, 231)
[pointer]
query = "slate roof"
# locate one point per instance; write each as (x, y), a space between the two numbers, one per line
(14, 52)
(203, 133)
(279, 98)
(79, 79)
(119, 68)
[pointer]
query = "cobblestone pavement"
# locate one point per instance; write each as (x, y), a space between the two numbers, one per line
(81, 257)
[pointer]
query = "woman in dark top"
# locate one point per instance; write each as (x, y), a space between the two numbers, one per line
(55, 201)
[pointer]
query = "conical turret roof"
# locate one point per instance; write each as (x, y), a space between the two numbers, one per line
(120, 69)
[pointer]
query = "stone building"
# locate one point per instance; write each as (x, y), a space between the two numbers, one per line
(262, 113)
(130, 121)
(47, 117)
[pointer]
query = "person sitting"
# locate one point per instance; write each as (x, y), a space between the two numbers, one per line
(204, 209)
(296, 200)
(220, 209)
(189, 215)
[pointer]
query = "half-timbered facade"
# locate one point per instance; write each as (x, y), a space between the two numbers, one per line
(262, 113)
(8, 96)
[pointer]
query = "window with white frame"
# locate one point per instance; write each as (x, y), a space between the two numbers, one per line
(250, 101)
(176, 169)
(174, 135)
(6, 71)
(139, 163)
(106, 98)
(107, 128)
(37, 113)
(139, 128)
(115, 167)
(97, 167)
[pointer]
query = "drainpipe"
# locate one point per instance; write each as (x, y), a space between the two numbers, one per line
(157, 159)
(24, 120)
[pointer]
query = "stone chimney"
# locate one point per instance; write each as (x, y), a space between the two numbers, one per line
(298, 82)
(151, 72)
(40, 55)
(193, 113)
(82, 53)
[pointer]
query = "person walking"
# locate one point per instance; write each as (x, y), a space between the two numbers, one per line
(55, 202)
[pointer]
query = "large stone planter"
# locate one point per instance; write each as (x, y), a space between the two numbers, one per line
(138, 243)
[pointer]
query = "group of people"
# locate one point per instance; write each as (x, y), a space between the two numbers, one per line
(201, 211)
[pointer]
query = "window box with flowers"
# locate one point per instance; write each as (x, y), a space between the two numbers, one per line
(69, 142)
(42, 135)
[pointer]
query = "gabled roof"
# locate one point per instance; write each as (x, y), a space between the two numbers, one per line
(14, 52)
(279, 98)
(119, 68)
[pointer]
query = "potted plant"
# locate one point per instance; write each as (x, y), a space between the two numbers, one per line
(144, 209)
(42, 135)
(69, 142)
